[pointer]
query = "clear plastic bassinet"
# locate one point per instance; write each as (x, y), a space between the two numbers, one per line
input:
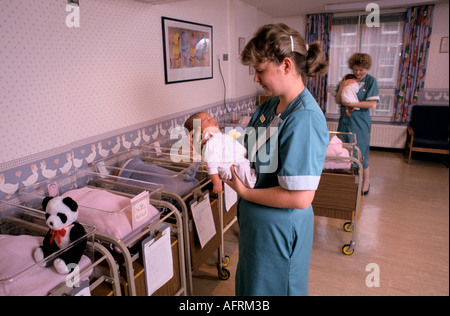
(113, 214)
(22, 230)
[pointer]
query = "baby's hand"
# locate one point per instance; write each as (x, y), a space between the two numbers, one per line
(217, 183)
(217, 188)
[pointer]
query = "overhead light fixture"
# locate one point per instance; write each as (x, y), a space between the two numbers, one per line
(361, 6)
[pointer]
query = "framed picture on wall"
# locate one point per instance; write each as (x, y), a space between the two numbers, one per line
(188, 50)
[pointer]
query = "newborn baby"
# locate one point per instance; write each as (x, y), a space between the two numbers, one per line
(220, 151)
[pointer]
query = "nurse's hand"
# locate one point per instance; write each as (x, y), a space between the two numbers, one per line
(349, 110)
(236, 184)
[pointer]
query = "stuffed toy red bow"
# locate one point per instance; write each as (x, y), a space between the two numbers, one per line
(61, 216)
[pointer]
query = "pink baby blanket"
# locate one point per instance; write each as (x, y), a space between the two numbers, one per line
(109, 212)
(335, 149)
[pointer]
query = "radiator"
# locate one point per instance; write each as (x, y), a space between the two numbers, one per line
(382, 135)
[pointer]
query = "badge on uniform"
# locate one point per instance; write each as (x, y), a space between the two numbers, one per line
(262, 118)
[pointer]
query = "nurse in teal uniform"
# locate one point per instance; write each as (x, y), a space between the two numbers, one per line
(276, 219)
(357, 118)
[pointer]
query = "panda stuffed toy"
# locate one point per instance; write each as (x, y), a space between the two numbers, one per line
(61, 216)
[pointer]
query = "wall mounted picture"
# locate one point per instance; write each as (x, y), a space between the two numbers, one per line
(188, 50)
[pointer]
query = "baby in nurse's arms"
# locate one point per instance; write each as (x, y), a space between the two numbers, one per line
(350, 89)
(220, 151)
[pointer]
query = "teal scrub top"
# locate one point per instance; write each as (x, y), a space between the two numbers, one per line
(275, 244)
(360, 121)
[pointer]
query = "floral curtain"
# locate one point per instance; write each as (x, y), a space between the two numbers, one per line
(318, 28)
(411, 78)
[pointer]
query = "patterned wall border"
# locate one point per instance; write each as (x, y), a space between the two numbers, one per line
(80, 154)
(434, 97)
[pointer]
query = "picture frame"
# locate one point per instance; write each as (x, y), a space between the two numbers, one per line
(188, 50)
(444, 45)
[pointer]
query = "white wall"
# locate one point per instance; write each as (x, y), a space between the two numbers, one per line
(437, 76)
(298, 23)
(62, 84)
(243, 21)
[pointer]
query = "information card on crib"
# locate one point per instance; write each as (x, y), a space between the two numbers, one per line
(230, 197)
(140, 209)
(204, 221)
(158, 260)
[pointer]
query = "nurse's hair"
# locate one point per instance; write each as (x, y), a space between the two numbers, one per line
(275, 42)
(361, 60)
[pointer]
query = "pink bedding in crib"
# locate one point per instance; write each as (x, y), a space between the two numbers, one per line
(109, 212)
(16, 256)
(335, 149)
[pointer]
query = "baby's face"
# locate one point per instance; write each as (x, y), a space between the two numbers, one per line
(207, 121)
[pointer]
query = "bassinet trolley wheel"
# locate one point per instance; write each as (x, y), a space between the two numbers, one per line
(348, 226)
(348, 249)
(224, 274)
(225, 261)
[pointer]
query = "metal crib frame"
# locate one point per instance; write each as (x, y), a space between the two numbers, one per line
(223, 260)
(129, 259)
(123, 246)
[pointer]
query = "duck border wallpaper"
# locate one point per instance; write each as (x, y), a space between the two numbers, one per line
(81, 154)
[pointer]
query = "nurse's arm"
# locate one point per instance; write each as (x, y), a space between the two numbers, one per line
(274, 196)
(279, 197)
(363, 104)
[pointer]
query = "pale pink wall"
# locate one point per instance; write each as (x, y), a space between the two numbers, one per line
(60, 84)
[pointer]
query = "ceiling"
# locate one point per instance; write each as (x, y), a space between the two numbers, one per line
(278, 8)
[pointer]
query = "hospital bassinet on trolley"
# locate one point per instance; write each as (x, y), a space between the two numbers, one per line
(184, 182)
(22, 230)
(339, 192)
(166, 150)
(123, 220)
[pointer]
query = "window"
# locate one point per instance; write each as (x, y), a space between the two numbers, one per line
(383, 44)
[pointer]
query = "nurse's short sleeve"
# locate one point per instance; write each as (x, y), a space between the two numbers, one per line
(372, 90)
(302, 146)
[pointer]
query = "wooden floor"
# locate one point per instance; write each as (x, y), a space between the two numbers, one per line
(402, 237)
